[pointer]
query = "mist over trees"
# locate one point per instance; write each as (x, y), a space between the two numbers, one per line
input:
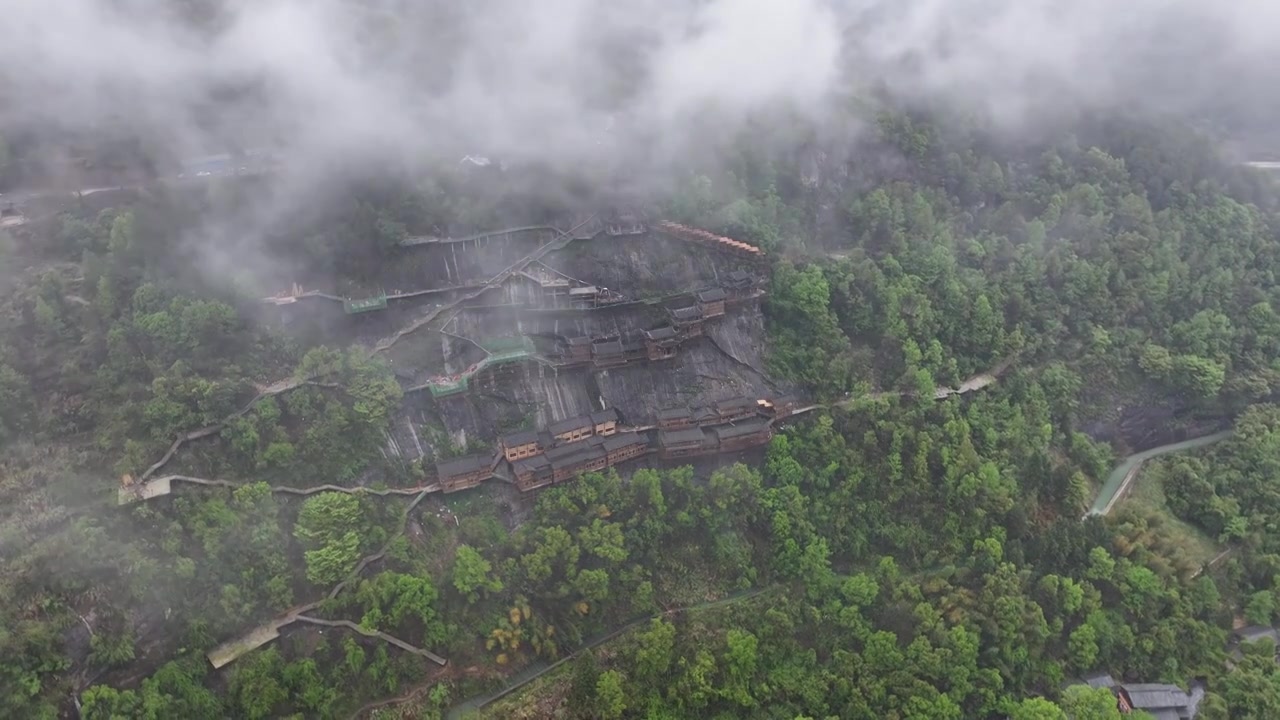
(1039, 203)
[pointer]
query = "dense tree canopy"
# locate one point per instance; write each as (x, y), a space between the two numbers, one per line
(887, 556)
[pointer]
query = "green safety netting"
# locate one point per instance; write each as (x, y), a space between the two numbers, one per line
(364, 305)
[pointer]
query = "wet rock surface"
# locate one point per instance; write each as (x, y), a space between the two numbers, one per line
(1138, 427)
(726, 362)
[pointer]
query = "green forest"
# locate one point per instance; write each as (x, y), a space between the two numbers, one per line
(887, 556)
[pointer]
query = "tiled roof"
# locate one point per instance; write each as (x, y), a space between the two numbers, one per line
(464, 465)
(565, 426)
(582, 454)
(520, 438)
(692, 312)
(725, 432)
(667, 438)
(735, 403)
(624, 440)
(601, 416)
(1153, 696)
(1101, 680)
(612, 347)
(712, 295)
(533, 463)
(674, 414)
(666, 332)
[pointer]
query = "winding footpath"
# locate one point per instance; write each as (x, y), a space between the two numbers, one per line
(1121, 479)
(232, 649)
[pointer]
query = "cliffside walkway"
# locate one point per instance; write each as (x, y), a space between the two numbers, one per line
(290, 299)
(157, 487)
(232, 649)
(285, 385)
(558, 242)
(419, 240)
(374, 634)
(275, 388)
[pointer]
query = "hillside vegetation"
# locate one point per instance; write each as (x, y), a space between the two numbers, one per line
(915, 558)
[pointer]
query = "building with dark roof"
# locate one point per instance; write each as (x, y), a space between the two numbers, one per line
(687, 320)
(734, 408)
(685, 315)
(532, 473)
(674, 418)
(625, 446)
(465, 472)
(578, 349)
(731, 438)
(604, 422)
(705, 416)
(1161, 700)
(608, 353)
(683, 443)
(661, 343)
(1099, 680)
(570, 460)
(520, 445)
(584, 296)
(572, 429)
(666, 333)
(633, 348)
(711, 302)
(738, 280)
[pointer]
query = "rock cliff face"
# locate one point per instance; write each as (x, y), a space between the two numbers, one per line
(726, 361)
(643, 265)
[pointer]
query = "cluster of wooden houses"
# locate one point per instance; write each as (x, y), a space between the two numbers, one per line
(661, 343)
(590, 443)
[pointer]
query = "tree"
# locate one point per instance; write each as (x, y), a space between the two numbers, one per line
(330, 523)
(653, 650)
(611, 697)
(472, 574)
(1037, 709)
(1081, 702)
(1261, 608)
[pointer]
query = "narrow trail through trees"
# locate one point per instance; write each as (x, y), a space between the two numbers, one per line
(227, 652)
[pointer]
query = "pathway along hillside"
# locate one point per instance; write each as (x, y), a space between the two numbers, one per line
(232, 649)
(1126, 473)
(228, 651)
(147, 488)
(383, 345)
